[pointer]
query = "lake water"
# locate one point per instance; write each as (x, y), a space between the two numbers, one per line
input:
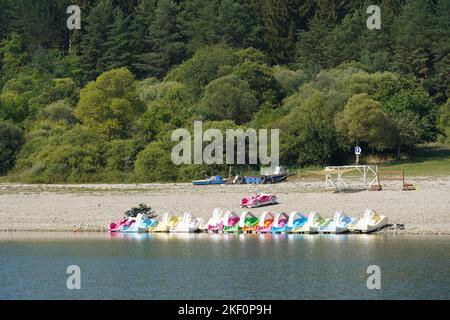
(201, 266)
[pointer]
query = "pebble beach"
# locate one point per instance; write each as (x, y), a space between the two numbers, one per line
(92, 207)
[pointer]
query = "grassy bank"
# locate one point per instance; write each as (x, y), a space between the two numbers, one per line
(426, 160)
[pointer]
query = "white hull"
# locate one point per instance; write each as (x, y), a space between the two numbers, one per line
(366, 224)
(305, 229)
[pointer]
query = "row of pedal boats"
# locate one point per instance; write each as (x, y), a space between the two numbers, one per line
(247, 222)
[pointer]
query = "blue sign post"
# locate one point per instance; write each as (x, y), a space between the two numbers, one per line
(358, 151)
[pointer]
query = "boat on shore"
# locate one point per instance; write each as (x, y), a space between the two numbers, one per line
(371, 221)
(231, 222)
(339, 224)
(214, 180)
(248, 222)
(279, 222)
(265, 222)
(166, 224)
(315, 220)
(215, 223)
(188, 224)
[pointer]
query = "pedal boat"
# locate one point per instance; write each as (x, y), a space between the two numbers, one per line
(265, 222)
(279, 223)
(339, 224)
(315, 220)
(371, 221)
(188, 224)
(231, 222)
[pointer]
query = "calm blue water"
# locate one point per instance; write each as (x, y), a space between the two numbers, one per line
(33, 266)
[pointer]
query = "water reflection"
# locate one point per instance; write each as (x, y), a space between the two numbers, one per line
(364, 239)
(223, 266)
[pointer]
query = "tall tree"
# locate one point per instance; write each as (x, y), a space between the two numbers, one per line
(280, 22)
(41, 23)
(167, 46)
(5, 21)
(93, 42)
(237, 26)
(200, 19)
(140, 38)
(118, 50)
(13, 56)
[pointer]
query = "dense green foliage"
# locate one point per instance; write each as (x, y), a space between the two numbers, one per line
(100, 104)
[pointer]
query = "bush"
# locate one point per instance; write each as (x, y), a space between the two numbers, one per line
(59, 111)
(121, 155)
(228, 98)
(110, 105)
(154, 164)
(207, 64)
(11, 139)
(74, 164)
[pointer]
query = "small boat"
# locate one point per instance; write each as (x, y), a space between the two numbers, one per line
(146, 225)
(296, 220)
(339, 224)
(140, 224)
(166, 223)
(215, 223)
(188, 224)
(279, 222)
(117, 225)
(265, 222)
(209, 181)
(371, 221)
(231, 222)
(258, 200)
(248, 222)
(315, 220)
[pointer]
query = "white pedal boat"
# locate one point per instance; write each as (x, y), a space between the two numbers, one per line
(371, 221)
(188, 224)
(315, 220)
(339, 224)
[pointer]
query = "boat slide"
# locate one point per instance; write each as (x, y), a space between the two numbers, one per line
(339, 224)
(167, 222)
(188, 224)
(371, 221)
(140, 224)
(315, 220)
(295, 221)
(231, 222)
(248, 222)
(265, 222)
(280, 221)
(216, 222)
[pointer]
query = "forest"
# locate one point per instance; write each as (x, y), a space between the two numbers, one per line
(100, 104)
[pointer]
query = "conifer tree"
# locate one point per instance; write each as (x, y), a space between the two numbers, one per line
(118, 50)
(166, 39)
(94, 39)
(140, 39)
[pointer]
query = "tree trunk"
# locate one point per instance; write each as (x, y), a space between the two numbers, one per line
(398, 152)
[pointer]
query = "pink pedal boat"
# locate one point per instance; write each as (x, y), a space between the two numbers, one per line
(117, 226)
(231, 222)
(215, 223)
(280, 221)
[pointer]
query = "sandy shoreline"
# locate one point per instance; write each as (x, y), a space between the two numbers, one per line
(92, 207)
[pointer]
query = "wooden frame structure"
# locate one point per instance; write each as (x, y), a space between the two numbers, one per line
(396, 176)
(335, 180)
